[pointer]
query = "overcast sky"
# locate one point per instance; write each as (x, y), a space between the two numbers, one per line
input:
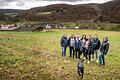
(26, 4)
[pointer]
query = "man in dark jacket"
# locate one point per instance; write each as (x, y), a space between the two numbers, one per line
(78, 47)
(96, 46)
(103, 51)
(64, 43)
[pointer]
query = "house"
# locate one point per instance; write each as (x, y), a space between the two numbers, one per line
(7, 28)
(76, 27)
(48, 26)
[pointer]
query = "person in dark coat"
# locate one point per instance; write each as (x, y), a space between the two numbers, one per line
(103, 51)
(83, 40)
(78, 47)
(64, 44)
(71, 44)
(96, 46)
(89, 48)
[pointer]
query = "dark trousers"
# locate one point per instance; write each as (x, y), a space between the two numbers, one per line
(88, 54)
(81, 72)
(72, 51)
(78, 53)
(84, 52)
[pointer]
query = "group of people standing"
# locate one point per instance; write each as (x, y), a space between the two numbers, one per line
(86, 45)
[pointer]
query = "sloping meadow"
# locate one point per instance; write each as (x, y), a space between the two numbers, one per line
(37, 56)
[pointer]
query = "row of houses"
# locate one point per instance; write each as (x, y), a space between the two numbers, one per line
(25, 27)
(28, 27)
(36, 27)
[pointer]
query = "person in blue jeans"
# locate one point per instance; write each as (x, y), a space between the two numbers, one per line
(78, 47)
(89, 49)
(64, 44)
(103, 51)
(96, 46)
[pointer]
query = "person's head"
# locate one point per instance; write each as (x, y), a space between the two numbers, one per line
(105, 39)
(95, 36)
(84, 36)
(64, 35)
(75, 37)
(89, 37)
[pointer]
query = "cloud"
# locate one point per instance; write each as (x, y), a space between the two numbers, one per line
(8, 2)
(26, 4)
(20, 3)
(64, 0)
(5, 2)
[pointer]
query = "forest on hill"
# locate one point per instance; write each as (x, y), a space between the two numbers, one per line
(106, 12)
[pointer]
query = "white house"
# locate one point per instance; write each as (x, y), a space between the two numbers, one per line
(48, 26)
(7, 27)
(76, 27)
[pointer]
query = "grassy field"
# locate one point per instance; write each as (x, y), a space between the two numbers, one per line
(37, 56)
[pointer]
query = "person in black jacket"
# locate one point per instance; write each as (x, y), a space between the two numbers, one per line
(96, 46)
(103, 51)
(64, 44)
(78, 47)
(71, 44)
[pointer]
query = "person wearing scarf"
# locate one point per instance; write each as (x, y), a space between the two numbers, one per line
(103, 50)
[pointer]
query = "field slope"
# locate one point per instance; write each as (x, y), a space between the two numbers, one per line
(37, 56)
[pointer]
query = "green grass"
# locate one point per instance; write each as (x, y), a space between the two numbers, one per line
(37, 56)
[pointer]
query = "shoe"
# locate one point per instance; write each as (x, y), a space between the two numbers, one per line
(97, 61)
(78, 59)
(88, 62)
(100, 65)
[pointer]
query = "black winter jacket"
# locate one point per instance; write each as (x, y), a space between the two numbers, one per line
(104, 47)
(96, 44)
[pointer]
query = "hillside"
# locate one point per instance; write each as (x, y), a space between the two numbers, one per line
(9, 14)
(59, 12)
(3, 17)
(10, 11)
(107, 12)
(111, 11)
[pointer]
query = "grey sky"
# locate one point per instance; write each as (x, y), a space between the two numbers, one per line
(26, 4)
